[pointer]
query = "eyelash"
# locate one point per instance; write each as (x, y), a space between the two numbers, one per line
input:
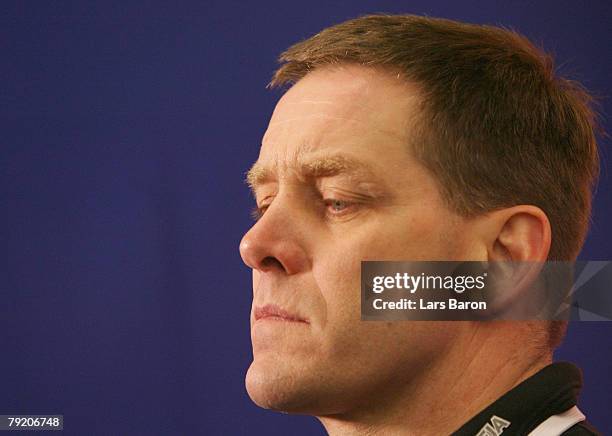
(259, 211)
(329, 202)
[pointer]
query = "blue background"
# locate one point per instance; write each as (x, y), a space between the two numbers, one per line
(126, 129)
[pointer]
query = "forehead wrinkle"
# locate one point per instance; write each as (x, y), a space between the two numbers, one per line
(301, 117)
(296, 103)
(395, 134)
(355, 102)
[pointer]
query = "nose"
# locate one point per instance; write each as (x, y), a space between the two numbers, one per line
(275, 243)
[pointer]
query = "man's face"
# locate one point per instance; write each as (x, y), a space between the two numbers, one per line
(338, 185)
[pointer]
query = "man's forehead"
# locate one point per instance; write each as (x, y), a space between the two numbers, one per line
(353, 100)
(343, 91)
(341, 119)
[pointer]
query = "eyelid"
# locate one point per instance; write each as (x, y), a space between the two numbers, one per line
(352, 186)
(350, 207)
(351, 198)
(260, 208)
(256, 213)
(337, 193)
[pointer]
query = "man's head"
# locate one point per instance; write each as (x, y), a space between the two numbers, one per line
(402, 138)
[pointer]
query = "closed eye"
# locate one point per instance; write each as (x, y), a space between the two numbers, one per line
(333, 207)
(336, 206)
(257, 212)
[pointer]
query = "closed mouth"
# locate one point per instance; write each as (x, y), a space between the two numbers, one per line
(274, 313)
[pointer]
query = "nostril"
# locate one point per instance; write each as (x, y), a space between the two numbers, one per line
(270, 262)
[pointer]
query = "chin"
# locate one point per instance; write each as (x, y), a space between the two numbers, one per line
(271, 387)
(276, 386)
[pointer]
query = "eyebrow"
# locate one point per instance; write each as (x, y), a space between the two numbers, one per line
(317, 167)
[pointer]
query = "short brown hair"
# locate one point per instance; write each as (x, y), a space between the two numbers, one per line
(498, 127)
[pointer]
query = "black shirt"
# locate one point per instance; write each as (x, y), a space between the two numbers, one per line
(544, 404)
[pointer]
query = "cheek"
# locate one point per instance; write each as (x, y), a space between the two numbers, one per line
(337, 273)
(422, 234)
(337, 270)
(353, 347)
(338, 279)
(338, 282)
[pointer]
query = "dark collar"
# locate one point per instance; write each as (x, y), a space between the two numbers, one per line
(552, 390)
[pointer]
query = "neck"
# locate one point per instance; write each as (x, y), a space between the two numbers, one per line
(478, 369)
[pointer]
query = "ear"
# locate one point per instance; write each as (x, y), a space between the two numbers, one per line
(518, 242)
(518, 234)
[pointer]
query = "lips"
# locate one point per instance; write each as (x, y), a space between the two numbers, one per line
(274, 313)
